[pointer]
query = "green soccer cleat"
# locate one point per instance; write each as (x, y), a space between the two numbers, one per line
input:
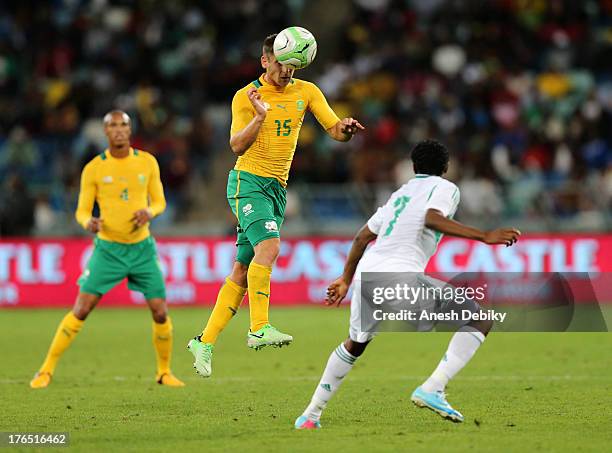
(267, 336)
(202, 352)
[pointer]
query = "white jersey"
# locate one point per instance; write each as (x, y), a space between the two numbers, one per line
(404, 244)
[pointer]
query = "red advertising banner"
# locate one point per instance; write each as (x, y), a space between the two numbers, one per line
(43, 272)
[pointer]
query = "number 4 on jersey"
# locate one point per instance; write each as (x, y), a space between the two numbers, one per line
(400, 205)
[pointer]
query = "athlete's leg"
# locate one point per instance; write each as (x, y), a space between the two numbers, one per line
(462, 347)
(85, 303)
(159, 309)
(354, 348)
(258, 277)
(231, 293)
(229, 298)
(66, 332)
(261, 333)
(340, 362)
(239, 274)
(145, 276)
(162, 341)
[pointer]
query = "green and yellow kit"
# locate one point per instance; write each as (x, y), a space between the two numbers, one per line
(256, 186)
(122, 186)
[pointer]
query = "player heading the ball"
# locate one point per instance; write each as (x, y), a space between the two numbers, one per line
(267, 115)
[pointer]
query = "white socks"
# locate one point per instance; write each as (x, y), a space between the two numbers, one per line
(339, 364)
(461, 349)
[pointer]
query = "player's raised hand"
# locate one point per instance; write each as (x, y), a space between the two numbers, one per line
(94, 225)
(141, 217)
(506, 236)
(257, 102)
(350, 126)
(336, 292)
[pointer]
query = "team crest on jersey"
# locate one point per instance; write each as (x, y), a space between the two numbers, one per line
(271, 226)
(107, 179)
(141, 178)
(300, 105)
(247, 209)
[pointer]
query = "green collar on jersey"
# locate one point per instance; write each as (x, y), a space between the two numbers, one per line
(258, 83)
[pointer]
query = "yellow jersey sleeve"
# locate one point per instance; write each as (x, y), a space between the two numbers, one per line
(242, 112)
(87, 194)
(319, 107)
(157, 201)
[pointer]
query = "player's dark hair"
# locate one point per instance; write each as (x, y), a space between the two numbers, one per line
(430, 157)
(268, 44)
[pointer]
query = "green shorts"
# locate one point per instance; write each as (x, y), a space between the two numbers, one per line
(111, 262)
(259, 205)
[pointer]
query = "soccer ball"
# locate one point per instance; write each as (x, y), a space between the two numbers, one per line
(295, 47)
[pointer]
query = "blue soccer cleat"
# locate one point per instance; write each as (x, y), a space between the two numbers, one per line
(304, 422)
(436, 401)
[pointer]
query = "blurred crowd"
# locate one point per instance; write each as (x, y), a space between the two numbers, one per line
(519, 90)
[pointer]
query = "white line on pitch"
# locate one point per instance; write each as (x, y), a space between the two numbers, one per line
(221, 380)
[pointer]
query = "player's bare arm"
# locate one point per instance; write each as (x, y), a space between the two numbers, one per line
(242, 140)
(344, 129)
(338, 289)
(436, 221)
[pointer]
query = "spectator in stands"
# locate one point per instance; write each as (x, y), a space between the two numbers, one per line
(16, 208)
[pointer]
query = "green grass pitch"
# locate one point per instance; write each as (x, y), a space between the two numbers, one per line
(522, 392)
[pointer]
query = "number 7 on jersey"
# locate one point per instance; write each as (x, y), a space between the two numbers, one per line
(400, 205)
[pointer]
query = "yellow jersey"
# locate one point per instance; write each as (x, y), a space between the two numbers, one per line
(272, 152)
(121, 186)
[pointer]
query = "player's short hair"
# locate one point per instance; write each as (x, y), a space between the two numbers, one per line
(109, 116)
(268, 44)
(430, 157)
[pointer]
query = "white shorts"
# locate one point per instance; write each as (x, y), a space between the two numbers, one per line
(363, 330)
(355, 332)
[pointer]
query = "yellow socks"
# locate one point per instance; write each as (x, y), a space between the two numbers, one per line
(162, 341)
(66, 331)
(228, 300)
(258, 278)
(70, 326)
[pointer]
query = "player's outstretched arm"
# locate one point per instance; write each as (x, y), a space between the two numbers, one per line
(344, 129)
(244, 138)
(436, 221)
(338, 289)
